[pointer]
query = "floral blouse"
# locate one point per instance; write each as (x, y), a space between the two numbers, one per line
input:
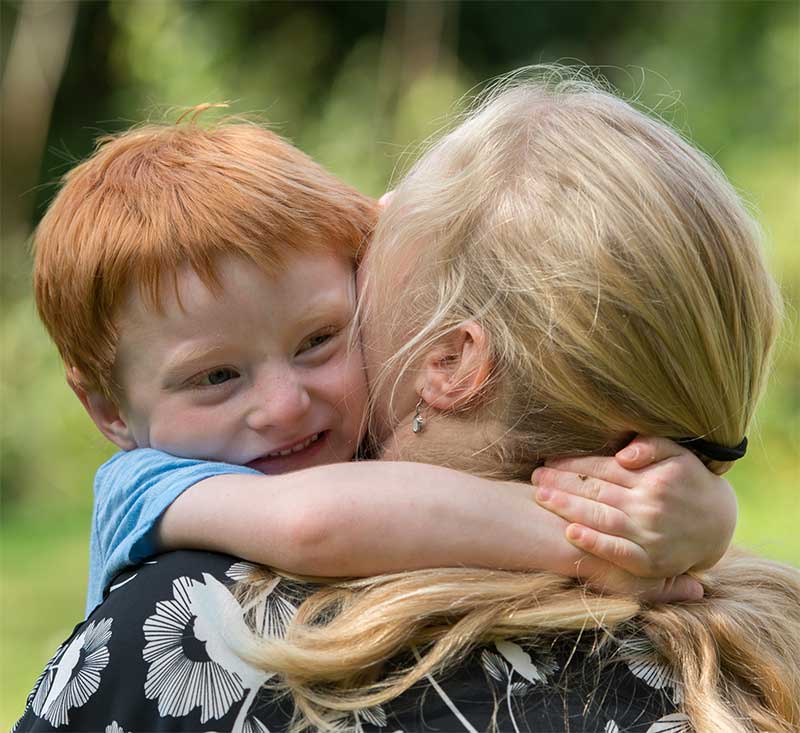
(153, 657)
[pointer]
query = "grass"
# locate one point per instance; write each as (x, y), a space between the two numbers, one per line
(43, 571)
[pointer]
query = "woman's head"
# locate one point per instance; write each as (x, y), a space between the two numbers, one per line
(566, 271)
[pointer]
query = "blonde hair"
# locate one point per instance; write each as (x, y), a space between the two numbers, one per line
(733, 655)
(613, 267)
(158, 197)
(621, 286)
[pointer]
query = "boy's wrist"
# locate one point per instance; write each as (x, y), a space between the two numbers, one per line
(553, 552)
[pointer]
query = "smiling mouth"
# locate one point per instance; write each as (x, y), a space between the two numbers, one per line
(295, 448)
(293, 457)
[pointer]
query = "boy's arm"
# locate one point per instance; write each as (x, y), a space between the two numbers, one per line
(358, 519)
(653, 509)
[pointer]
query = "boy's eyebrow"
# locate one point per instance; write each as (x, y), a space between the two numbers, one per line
(185, 355)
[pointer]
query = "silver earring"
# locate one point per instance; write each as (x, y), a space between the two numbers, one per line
(418, 422)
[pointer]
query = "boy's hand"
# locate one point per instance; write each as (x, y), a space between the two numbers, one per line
(653, 510)
(603, 577)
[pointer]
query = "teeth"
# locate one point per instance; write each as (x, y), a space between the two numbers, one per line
(295, 448)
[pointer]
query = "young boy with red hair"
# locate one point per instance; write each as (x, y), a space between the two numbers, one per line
(199, 285)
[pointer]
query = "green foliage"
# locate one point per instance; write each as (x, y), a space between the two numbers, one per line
(354, 84)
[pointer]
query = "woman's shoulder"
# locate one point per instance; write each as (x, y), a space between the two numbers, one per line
(158, 654)
(154, 654)
(569, 683)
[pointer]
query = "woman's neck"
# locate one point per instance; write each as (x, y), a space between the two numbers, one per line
(472, 444)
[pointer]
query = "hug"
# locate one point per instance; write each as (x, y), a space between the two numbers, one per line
(329, 416)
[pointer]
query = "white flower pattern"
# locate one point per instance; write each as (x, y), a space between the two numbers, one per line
(374, 716)
(241, 570)
(122, 583)
(254, 725)
(180, 675)
(191, 643)
(191, 628)
(219, 623)
(513, 659)
(645, 663)
(38, 682)
(73, 675)
(673, 723)
(276, 612)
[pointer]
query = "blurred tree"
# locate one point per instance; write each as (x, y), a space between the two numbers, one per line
(33, 67)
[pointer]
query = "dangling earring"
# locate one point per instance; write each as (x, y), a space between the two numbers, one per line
(418, 422)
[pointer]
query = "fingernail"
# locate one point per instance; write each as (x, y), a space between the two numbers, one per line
(574, 532)
(544, 494)
(628, 454)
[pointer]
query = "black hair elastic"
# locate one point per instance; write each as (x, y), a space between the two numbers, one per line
(714, 451)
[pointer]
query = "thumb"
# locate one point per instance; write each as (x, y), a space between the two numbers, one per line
(645, 450)
(681, 588)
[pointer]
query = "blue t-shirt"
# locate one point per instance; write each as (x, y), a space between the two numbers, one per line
(131, 491)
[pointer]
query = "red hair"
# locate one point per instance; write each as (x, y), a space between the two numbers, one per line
(160, 197)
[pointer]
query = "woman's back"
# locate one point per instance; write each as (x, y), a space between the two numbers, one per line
(155, 656)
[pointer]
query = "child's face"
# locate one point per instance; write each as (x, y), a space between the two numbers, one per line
(258, 374)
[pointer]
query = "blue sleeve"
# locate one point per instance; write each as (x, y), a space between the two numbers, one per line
(131, 492)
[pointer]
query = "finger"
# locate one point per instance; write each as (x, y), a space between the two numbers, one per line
(618, 551)
(580, 484)
(605, 468)
(644, 450)
(593, 514)
(682, 588)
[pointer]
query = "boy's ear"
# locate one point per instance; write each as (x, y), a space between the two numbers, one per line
(456, 369)
(103, 411)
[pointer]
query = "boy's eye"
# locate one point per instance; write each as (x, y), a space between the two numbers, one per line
(316, 340)
(217, 376)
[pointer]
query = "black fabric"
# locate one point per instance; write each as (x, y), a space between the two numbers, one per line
(150, 658)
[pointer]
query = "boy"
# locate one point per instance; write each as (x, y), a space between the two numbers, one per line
(199, 286)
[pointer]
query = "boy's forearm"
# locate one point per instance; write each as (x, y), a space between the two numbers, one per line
(369, 518)
(429, 516)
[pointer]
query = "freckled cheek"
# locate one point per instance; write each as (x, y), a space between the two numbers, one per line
(190, 433)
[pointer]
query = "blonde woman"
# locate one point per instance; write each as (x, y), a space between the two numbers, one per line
(565, 272)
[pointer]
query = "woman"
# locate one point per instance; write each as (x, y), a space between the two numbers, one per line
(568, 272)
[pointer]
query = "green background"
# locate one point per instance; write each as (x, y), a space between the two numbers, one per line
(355, 85)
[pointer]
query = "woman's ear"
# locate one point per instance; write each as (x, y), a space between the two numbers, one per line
(456, 369)
(103, 411)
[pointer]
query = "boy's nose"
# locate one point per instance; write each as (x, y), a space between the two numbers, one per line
(279, 402)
